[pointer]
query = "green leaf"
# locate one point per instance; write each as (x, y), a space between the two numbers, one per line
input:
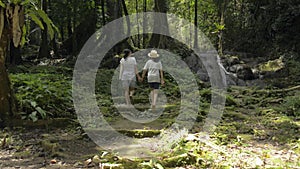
(2, 4)
(25, 2)
(33, 116)
(42, 112)
(33, 103)
(23, 40)
(48, 22)
(159, 166)
(36, 20)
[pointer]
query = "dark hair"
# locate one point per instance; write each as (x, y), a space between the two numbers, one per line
(126, 53)
(155, 59)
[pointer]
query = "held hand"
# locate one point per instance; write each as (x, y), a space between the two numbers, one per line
(140, 79)
(162, 82)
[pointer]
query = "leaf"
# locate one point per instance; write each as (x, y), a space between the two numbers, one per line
(33, 103)
(42, 112)
(33, 116)
(16, 30)
(2, 4)
(22, 16)
(35, 19)
(23, 39)
(159, 166)
(25, 2)
(47, 21)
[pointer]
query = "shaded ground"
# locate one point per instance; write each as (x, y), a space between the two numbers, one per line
(247, 137)
(36, 148)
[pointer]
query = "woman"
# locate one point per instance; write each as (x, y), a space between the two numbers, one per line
(155, 75)
(128, 73)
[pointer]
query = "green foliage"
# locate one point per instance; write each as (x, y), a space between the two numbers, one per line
(262, 27)
(2, 4)
(42, 96)
(39, 17)
(35, 19)
(51, 27)
(291, 105)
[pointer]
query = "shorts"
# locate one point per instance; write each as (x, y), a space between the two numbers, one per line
(154, 85)
(128, 83)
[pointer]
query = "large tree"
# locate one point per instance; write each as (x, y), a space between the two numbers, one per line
(44, 51)
(11, 22)
(160, 24)
(11, 33)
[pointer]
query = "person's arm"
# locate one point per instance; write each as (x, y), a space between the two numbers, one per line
(121, 71)
(137, 73)
(144, 73)
(162, 81)
(145, 70)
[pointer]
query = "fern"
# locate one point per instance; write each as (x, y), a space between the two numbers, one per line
(35, 19)
(47, 21)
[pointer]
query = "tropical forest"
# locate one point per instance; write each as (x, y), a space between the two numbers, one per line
(150, 84)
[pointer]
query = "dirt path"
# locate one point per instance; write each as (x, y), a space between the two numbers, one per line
(39, 148)
(70, 148)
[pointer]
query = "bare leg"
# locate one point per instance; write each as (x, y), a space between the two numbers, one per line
(131, 92)
(151, 96)
(155, 94)
(127, 98)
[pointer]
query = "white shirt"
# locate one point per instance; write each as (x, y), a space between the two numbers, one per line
(128, 65)
(153, 70)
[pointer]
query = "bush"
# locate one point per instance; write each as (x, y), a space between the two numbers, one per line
(41, 96)
(291, 105)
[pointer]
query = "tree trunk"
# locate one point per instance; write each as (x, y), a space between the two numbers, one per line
(220, 43)
(160, 25)
(7, 106)
(127, 18)
(144, 24)
(62, 32)
(15, 55)
(223, 8)
(44, 47)
(196, 25)
(103, 12)
(137, 21)
(190, 24)
(114, 11)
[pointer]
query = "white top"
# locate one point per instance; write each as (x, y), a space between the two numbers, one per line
(128, 68)
(153, 70)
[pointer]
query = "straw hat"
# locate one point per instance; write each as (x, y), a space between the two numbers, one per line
(153, 54)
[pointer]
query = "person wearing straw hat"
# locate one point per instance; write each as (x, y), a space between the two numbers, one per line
(155, 75)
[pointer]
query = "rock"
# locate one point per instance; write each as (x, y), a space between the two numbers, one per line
(78, 164)
(232, 60)
(244, 72)
(87, 162)
(258, 162)
(96, 159)
(203, 75)
(53, 161)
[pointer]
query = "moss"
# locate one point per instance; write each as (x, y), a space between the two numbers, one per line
(140, 133)
(180, 160)
(230, 101)
(272, 65)
(50, 148)
(235, 115)
(23, 154)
